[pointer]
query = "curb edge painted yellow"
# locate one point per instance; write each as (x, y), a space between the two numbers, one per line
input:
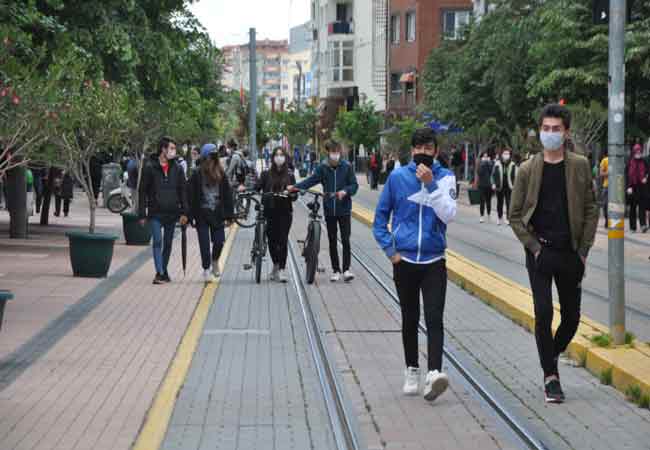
(155, 425)
(629, 366)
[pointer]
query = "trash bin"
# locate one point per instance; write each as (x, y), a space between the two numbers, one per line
(111, 176)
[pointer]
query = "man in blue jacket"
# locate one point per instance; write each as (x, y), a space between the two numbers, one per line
(337, 177)
(421, 198)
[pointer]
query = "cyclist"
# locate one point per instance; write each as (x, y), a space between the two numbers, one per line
(278, 211)
(422, 200)
(211, 208)
(336, 176)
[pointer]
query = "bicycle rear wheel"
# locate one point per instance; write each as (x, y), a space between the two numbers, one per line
(245, 209)
(311, 252)
(261, 250)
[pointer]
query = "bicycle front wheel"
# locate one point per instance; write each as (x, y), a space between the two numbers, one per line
(245, 209)
(311, 252)
(261, 250)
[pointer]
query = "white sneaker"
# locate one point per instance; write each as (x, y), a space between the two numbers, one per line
(507, 222)
(335, 277)
(208, 277)
(435, 383)
(411, 381)
(348, 276)
(498, 222)
(215, 270)
(274, 273)
(282, 276)
(481, 220)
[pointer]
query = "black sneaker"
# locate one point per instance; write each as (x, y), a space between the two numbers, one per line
(158, 279)
(166, 279)
(553, 391)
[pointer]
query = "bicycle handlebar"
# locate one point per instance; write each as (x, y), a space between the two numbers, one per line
(318, 194)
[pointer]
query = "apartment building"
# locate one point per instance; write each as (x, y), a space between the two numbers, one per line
(348, 54)
(299, 69)
(415, 27)
(272, 62)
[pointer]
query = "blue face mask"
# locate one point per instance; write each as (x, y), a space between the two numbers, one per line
(551, 140)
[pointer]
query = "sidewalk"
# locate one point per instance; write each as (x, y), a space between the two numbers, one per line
(81, 360)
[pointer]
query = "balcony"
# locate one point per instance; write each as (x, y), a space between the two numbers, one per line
(340, 27)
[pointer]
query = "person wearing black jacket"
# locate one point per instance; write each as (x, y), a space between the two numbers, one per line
(278, 211)
(63, 193)
(211, 208)
(162, 201)
(485, 185)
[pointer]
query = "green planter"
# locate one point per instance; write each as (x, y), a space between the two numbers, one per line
(5, 296)
(474, 196)
(134, 233)
(91, 253)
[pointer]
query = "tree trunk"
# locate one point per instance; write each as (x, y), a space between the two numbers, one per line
(93, 211)
(17, 202)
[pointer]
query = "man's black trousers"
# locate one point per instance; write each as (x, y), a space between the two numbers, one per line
(567, 270)
(430, 280)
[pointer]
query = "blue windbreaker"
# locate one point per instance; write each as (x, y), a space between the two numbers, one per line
(334, 179)
(418, 229)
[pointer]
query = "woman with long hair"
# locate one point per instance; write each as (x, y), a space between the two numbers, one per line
(211, 209)
(278, 210)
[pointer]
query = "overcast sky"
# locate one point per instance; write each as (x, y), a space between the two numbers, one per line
(228, 21)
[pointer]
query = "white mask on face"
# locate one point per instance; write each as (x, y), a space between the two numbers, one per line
(335, 157)
(551, 140)
(279, 160)
(637, 156)
(506, 157)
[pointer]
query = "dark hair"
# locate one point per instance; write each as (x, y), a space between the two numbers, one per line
(222, 150)
(211, 170)
(232, 144)
(332, 146)
(279, 176)
(424, 136)
(557, 112)
(164, 143)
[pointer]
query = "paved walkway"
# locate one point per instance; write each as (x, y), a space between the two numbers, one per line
(252, 383)
(81, 360)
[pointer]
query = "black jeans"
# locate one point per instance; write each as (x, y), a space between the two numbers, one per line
(344, 223)
(486, 200)
(431, 281)
(567, 270)
(503, 195)
(637, 208)
(57, 205)
(206, 234)
(277, 232)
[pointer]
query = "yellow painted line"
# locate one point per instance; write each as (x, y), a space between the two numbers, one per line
(629, 366)
(155, 426)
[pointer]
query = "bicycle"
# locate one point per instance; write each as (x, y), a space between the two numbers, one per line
(260, 245)
(311, 244)
(243, 210)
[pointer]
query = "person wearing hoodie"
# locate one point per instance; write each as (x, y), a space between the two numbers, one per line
(485, 185)
(163, 202)
(637, 172)
(421, 199)
(337, 178)
(503, 180)
(211, 209)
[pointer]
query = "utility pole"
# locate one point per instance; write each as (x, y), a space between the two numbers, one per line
(299, 65)
(252, 110)
(616, 139)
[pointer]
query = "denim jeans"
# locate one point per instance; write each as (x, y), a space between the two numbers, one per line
(206, 234)
(162, 243)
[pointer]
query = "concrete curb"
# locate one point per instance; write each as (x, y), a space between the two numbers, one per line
(630, 366)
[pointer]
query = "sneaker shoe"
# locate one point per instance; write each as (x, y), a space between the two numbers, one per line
(208, 277)
(507, 222)
(481, 220)
(282, 276)
(274, 273)
(335, 277)
(158, 279)
(215, 269)
(435, 384)
(553, 391)
(411, 381)
(645, 230)
(165, 278)
(498, 222)
(348, 276)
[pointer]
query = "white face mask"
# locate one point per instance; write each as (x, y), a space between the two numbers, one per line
(279, 160)
(551, 140)
(335, 157)
(638, 156)
(506, 157)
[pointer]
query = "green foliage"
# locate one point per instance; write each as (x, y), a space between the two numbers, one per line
(399, 138)
(602, 340)
(361, 126)
(298, 124)
(644, 401)
(633, 393)
(606, 377)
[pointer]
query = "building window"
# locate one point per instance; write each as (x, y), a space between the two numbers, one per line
(410, 27)
(394, 29)
(342, 60)
(395, 85)
(453, 23)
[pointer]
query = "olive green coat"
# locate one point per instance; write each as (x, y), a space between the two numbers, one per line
(583, 209)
